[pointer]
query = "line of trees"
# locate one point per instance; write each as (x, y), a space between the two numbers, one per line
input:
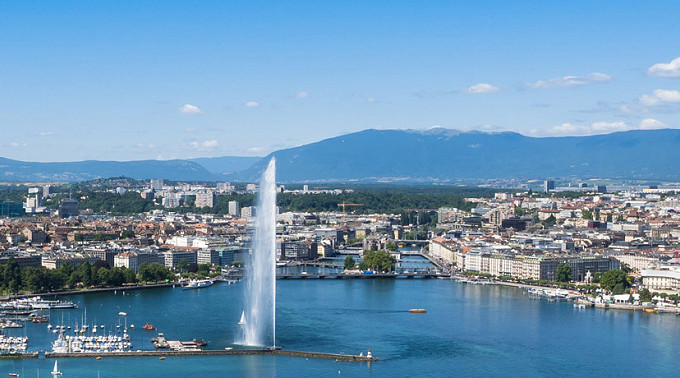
(14, 279)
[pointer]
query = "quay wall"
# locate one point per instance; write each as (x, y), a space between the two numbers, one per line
(194, 353)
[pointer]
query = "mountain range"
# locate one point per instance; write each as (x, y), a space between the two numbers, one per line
(448, 155)
(439, 155)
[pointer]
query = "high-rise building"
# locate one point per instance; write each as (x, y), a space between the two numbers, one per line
(234, 209)
(46, 191)
(548, 185)
(205, 200)
(157, 184)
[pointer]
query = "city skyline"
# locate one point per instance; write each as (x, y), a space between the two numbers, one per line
(163, 80)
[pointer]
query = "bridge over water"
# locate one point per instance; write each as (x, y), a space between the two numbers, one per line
(349, 276)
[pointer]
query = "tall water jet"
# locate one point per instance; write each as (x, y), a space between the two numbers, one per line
(260, 296)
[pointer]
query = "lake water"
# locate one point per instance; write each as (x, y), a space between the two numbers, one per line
(469, 330)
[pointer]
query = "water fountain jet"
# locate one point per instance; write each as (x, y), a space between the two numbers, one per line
(259, 325)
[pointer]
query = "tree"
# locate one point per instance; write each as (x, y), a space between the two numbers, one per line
(391, 246)
(586, 214)
(550, 221)
(381, 261)
(12, 276)
(349, 263)
(611, 278)
(182, 266)
(645, 295)
(144, 273)
(563, 273)
(127, 234)
(618, 289)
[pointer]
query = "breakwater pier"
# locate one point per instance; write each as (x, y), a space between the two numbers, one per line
(198, 353)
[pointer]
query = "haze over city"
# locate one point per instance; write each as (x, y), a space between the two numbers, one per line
(162, 80)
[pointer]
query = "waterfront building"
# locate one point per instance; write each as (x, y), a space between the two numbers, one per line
(104, 254)
(636, 262)
(443, 249)
(174, 256)
(661, 278)
(23, 260)
(147, 256)
(126, 260)
(208, 256)
(297, 250)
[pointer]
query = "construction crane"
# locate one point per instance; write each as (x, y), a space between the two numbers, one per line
(345, 204)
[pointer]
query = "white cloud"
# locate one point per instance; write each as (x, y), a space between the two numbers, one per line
(46, 133)
(252, 104)
(597, 76)
(255, 149)
(671, 69)
(205, 145)
(190, 109)
(651, 123)
(481, 88)
(17, 144)
(660, 96)
(569, 81)
(609, 127)
(371, 100)
(302, 94)
(572, 129)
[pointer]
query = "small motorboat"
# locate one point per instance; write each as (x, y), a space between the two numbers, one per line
(417, 311)
(149, 327)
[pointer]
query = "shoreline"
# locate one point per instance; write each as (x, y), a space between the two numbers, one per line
(93, 290)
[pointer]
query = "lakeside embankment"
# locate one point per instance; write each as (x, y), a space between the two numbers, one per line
(93, 290)
(199, 353)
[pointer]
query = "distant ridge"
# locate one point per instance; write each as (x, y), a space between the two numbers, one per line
(445, 155)
(409, 156)
(14, 170)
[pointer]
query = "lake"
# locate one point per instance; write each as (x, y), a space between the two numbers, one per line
(469, 330)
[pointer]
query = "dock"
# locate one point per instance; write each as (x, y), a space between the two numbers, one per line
(200, 353)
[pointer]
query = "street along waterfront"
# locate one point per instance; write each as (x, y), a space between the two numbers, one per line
(468, 330)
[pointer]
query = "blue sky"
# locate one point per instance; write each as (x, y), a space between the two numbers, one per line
(130, 80)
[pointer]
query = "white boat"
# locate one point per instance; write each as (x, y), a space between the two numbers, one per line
(197, 284)
(55, 371)
(243, 319)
